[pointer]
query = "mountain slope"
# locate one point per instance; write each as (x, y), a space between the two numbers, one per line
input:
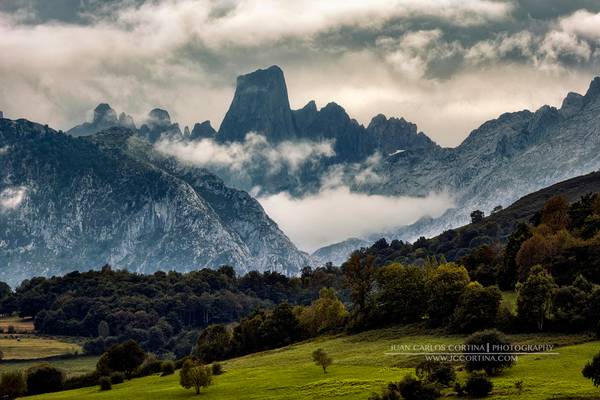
(501, 161)
(108, 198)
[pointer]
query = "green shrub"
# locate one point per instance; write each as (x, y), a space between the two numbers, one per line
(413, 389)
(436, 372)
(217, 369)
(44, 378)
(105, 383)
(12, 384)
(592, 370)
(151, 365)
(478, 385)
(81, 381)
(117, 377)
(168, 368)
(497, 342)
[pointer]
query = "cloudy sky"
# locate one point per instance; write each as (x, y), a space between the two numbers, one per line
(447, 65)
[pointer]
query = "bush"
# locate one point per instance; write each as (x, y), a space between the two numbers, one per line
(414, 389)
(168, 368)
(81, 381)
(217, 369)
(105, 383)
(478, 385)
(44, 378)
(459, 388)
(12, 384)
(592, 370)
(117, 377)
(151, 365)
(436, 372)
(477, 342)
(125, 357)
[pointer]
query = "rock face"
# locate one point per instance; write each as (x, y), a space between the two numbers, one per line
(260, 104)
(202, 131)
(77, 203)
(158, 125)
(395, 135)
(104, 118)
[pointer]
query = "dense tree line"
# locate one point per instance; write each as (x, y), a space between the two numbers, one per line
(164, 311)
(552, 262)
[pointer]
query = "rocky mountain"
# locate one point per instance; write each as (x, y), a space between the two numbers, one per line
(76, 203)
(104, 118)
(502, 160)
(261, 104)
(158, 125)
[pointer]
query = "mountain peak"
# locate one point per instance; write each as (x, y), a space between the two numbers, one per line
(594, 89)
(104, 114)
(571, 104)
(260, 104)
(159, 116)
(203, 130)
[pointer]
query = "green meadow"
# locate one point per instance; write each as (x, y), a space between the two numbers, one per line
(360, 368)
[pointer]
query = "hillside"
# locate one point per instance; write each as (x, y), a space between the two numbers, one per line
(495, 228)
(360, 368)
(79, 203)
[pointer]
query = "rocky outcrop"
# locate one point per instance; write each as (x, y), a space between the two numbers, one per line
(260, 104)
(396, 134)
(104, 117)
(202, 131)
(158, 125)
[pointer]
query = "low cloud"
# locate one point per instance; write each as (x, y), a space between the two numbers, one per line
(253, 150)
(335, 214)
(12, 197)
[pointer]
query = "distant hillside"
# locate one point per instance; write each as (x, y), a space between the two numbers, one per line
(495, 228)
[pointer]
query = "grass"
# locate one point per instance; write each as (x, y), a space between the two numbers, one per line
(360, 368)
(72, 366)
(25, 347)
(20, 324)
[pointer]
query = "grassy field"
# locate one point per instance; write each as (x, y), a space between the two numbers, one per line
(25, 347)
(72, 366)
(360, 368)
(20, 324)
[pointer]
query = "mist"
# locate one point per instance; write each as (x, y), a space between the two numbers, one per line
(335, 214)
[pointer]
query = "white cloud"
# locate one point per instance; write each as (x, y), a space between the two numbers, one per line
(4, 150)
(12, 197)
(582, 23)
(182, 55)
(335, 214)
(239, 156)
